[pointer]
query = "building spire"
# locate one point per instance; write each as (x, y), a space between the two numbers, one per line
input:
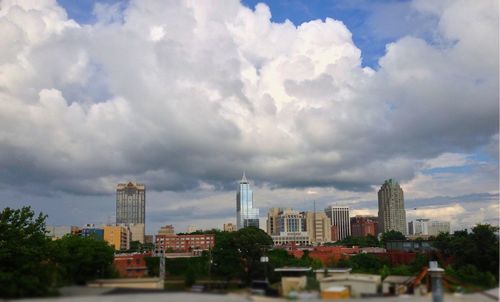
(244, 178)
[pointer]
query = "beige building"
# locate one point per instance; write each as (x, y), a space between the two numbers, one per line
(391, 208)
(272, 226)
(229, 227)
(318, 227)
(286, 225)
(166, 230)
(358, 284)
(137, 230)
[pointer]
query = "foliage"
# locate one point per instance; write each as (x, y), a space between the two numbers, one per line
(392, 235)
(361, 241)
(237, 254)
(24, 269)
(81, 259)
(138, 247)
(181, 266)
(469, 274)
(153, 265)
(473, 252)
(366, 263)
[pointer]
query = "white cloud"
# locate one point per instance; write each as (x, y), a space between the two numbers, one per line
(186, 95)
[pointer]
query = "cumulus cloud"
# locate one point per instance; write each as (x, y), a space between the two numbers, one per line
(185, 95)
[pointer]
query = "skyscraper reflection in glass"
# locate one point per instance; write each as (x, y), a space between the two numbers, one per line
(246, 214)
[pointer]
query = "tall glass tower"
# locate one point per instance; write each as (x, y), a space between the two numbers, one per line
(246, 214)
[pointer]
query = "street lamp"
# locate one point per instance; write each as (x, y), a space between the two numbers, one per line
(265, 260)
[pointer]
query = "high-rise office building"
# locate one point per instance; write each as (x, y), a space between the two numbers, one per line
(391, 208)
(339, 220)
(246, 214)
(130, 203)
(131, 208)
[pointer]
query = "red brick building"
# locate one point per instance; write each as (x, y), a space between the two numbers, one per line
(184, 243)
(131, 265)
(328, 255)
(364, 225)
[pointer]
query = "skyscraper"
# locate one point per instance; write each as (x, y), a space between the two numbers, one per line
(391, 208)
(130, 203)
(246, 214)
(339, 219)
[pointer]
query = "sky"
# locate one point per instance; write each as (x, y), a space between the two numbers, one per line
(318, 101)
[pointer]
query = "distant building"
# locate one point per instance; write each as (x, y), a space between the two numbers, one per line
(130, 203)
(184, 243)
(286, 226)
(391, 208)
(428, 227)
(191, 228)
(57, 232)
(92, 231)
(117, 236)
(339, 217)
(246, 214)
(137, 231)
(318, 227)
(167, 230)
(362, 226)
(229, 227)
(149, 239)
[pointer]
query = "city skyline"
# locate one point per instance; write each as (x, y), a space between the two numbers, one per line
(323, 107)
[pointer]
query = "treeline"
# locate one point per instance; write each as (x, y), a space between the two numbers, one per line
(32, 265)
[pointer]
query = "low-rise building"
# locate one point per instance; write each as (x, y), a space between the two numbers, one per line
(397, 285)
(362, 226)
(184, 243)
(131, 265)
(229, 227)
(292, 279)
(359, 285)
(330, 272)
(57, 232)
(90, 230)
(117, 236)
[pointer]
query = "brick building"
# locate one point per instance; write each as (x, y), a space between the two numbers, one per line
(131, 265)
(362, 226)
(184, 243)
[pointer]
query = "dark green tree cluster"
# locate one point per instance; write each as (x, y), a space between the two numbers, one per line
(237, 254)
(361, 241)
(33, 265)
(473, 256)
(138, 247)
(25, 269)
(81, 259)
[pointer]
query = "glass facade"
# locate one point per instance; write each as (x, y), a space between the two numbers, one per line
(246, 214)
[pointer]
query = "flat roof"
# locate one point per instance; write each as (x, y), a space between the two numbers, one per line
(335, 270)
(398, 279)
(353, 277)
(292, 269)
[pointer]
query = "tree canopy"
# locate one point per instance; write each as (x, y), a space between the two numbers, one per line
(24, 253)
(471, 253)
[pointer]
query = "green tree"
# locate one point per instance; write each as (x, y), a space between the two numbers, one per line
(237, 254)
(366, 263)
(392, 235)
(153, 265)
(81, 259)
(361, 241)
(24, 251)
(478, 249)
